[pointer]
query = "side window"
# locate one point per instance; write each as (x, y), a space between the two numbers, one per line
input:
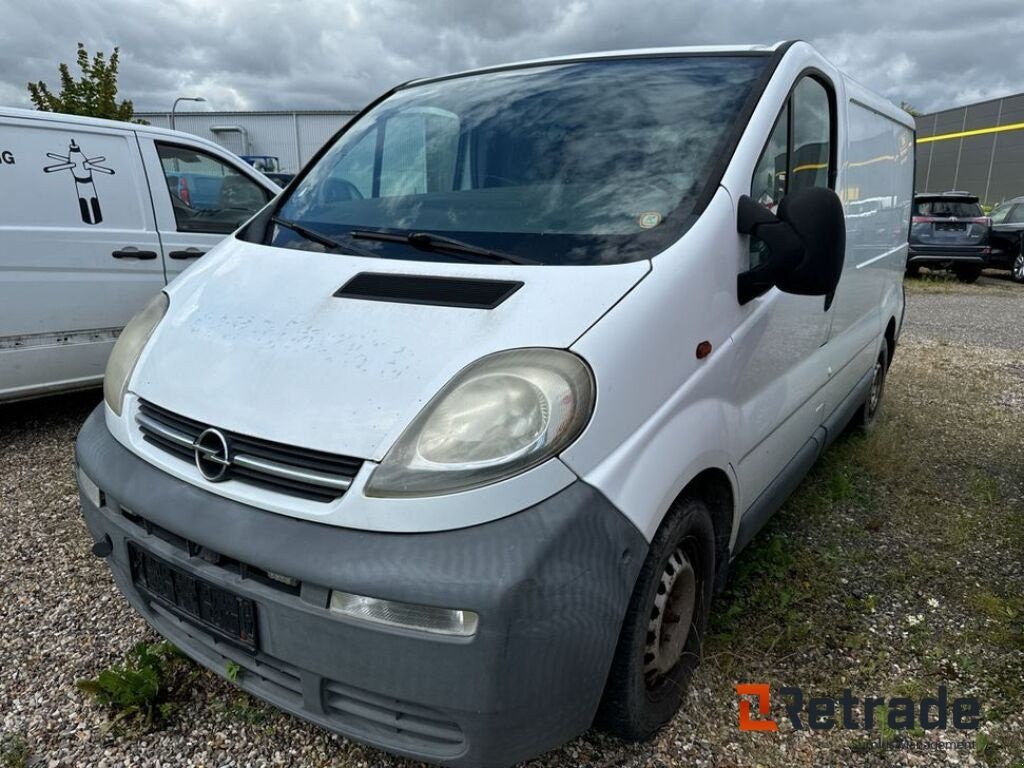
(207, 194)
(1016, 215)
(769, 183)
(419, 153)
(797, 155)
(812, 130)
(768, 186)
(403, 160)
(998, 216)
(355, 169)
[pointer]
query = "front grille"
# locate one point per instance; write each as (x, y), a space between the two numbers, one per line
(295, 471)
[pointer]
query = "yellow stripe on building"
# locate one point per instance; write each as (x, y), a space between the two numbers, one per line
(975, 132)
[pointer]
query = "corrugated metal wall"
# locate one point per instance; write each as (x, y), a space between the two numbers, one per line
(292, 136)
(978, 148)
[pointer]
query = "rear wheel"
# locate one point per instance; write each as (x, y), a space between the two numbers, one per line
(659, 646)
(1017, 270)
(967, 274)
(866, 417)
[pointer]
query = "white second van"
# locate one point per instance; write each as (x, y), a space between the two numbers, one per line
(449, 447)
(97, 217)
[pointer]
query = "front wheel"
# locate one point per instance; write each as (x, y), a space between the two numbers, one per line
(1017, 270)
(659, 646)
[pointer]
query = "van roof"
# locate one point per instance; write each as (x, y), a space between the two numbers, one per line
(855, 90)
(33, 114)
(589, 56)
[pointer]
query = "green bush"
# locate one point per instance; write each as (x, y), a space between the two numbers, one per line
(138, 690)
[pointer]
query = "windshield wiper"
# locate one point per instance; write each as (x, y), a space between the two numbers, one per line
(319, 237)
(428, 241)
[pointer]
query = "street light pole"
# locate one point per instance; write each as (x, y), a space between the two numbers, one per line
(174, 106)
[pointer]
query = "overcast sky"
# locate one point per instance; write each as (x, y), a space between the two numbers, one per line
(295, 54)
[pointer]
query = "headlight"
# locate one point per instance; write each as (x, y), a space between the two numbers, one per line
(498, 417)
(128, 348)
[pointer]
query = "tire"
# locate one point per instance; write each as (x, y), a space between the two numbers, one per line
(652, 666)
(913, 270)
(866, 418)
(1017, 268)
(967, 274)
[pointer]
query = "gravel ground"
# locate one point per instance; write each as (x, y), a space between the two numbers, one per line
(895, 568)
(987, 313)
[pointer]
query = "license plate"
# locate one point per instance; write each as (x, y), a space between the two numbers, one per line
(196, 600)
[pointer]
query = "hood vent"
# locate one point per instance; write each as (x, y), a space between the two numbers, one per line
(463, 292)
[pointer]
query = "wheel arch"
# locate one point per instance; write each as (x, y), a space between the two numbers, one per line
(890, 339)
(714, 486)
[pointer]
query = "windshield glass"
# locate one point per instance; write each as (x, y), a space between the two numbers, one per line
(578, 163)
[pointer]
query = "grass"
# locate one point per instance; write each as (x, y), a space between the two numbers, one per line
(941, 281)
(14, 750)
(141, 691)
(890, 570)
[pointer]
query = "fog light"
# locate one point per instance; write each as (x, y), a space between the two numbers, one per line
(440, 621)
(89, 489)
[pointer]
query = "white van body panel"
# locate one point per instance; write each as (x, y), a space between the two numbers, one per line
(63, 296)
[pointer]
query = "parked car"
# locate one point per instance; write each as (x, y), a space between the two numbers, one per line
(447, 451)
(97, 217)
(1006, 237)
(949, 231)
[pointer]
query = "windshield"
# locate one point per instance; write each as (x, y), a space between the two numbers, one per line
(579, 163)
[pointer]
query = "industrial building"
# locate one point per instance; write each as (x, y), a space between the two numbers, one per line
(292, 136)
(978, 148)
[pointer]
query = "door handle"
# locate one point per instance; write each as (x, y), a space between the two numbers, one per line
(131, 252)
(188, 253)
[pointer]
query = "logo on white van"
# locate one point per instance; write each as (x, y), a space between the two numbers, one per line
(82, 169)
(213, 455)
(7, 157)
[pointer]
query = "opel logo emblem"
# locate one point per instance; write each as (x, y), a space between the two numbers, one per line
(213, 456)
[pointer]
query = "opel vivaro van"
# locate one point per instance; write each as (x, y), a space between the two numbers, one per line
(449, 447)
(98, 216)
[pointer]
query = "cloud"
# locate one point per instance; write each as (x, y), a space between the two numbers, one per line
(339, 54)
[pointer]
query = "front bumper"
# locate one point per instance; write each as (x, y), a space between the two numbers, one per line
(550, 584)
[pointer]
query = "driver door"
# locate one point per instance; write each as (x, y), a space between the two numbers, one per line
(198, 197)
(783, 337)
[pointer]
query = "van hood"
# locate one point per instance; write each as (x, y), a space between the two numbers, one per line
(256, 342)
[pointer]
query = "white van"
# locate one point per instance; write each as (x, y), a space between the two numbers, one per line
(449, 447)
(97, 217)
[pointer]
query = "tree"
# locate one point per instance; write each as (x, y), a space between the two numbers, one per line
(94, 94)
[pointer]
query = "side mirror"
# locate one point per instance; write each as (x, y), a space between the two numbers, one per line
(806, 241)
